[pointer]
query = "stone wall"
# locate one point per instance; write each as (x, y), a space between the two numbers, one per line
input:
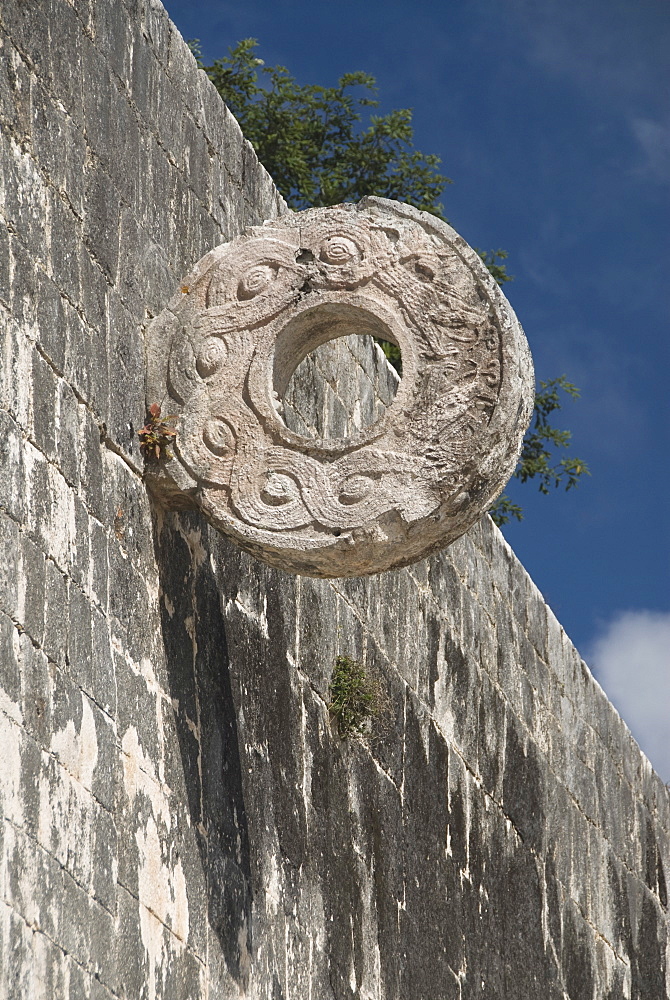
(179, 820)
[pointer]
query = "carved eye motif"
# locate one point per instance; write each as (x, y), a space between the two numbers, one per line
(355, 489)
(210, 356)
(279, 489)
(218, 436)
(424, 271)
(338, 250)
(256, 280)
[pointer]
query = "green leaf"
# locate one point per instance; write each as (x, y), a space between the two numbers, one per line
(541, 445)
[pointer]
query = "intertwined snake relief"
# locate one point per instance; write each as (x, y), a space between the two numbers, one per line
(223, 352)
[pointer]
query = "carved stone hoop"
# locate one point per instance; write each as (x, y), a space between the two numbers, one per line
(222, 354)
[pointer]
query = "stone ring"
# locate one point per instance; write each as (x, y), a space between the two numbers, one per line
(222, 355)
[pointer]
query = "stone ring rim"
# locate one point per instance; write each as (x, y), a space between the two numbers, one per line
(268, 376)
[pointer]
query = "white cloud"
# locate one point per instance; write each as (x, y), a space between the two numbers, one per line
(654, 138)
(631, 659)
(613, 49)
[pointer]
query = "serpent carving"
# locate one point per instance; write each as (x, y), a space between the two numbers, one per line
(223, 352)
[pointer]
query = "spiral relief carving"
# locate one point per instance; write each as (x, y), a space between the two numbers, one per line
(222, 354)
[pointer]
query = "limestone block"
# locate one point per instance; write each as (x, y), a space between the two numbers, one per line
(222, 354)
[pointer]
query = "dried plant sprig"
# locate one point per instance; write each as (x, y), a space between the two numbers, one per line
(156, 434)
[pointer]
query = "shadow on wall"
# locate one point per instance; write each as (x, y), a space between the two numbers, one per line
(228, 624)
(194, 638)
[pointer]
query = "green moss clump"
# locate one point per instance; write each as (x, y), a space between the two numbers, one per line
(354, 698)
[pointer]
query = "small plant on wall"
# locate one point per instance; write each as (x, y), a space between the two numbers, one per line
(156, 435)
(354, 698)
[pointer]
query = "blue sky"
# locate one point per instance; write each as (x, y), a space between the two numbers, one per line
(553, 120)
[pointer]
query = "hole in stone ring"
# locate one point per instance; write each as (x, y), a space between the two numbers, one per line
(345, 368)
(339, 355)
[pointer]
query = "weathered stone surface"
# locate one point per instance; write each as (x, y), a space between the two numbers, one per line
(178, 818)
(222, 354)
